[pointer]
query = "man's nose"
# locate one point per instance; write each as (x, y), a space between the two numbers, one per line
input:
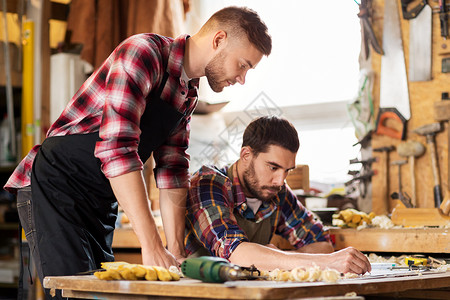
(278, 179)
(241, 78)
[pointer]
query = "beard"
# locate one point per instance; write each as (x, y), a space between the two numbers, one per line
(252, 184)
(214, 71)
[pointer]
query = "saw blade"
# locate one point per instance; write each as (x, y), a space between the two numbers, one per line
(393, 81)
(420, 34)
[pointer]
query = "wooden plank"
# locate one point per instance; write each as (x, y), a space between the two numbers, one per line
(129, 257)
(125, 238)
(405, 240)
(419, 217)
(190, 288)
(299, 178)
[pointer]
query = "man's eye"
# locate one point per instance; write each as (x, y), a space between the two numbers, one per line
(243, 67)
(272, 168)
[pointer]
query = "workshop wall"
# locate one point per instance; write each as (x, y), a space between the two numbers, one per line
(422, 96)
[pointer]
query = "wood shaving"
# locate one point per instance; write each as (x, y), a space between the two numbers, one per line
(299, 274)
(350, 275)
(174, 269)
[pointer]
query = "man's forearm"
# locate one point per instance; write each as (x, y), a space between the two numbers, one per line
(172, 203)
(317, 247)
(130, 192)
(268, 258)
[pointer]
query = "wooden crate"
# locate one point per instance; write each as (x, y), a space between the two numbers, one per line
(299, 178)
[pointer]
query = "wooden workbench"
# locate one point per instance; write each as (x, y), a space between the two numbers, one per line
(401, 240)
(89, 287)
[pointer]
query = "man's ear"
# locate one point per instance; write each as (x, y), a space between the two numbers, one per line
(219, 39)
(246, 154)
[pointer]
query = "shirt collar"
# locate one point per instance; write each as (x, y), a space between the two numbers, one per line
(176, 57)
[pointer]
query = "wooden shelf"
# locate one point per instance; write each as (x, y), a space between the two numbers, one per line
(405, 240)
(126, 238)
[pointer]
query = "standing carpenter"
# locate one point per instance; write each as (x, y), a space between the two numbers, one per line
(137, 103)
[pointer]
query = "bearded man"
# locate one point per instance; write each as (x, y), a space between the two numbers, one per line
(233, 212)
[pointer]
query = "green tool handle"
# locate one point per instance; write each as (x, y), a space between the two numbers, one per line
(205, 268)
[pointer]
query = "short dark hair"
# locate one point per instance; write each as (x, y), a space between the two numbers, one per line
(270, 130)
(237, 20)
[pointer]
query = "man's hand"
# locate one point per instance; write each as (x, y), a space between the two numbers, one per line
(269, 257)
(348, 260)
(158, 257)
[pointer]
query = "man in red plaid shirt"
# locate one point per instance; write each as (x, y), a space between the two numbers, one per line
(139, 102)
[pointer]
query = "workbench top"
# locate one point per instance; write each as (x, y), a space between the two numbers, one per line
(91, 287)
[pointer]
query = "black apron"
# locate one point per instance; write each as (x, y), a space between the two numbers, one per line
(74, 206)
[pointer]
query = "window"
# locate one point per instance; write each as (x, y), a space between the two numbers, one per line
(314, 57)
(313, 70)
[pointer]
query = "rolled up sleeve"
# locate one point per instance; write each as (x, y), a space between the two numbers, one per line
(172, 160)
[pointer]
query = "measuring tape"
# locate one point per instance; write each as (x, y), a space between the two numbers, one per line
(416, 261)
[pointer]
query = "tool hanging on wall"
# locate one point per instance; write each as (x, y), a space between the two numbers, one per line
(443, 18)
(429, 131)
(362, 177)
(400, 195)
(411, 150)
(420, 38)
(386, 150)
(368, 36)
(442, 113)
(394, 95)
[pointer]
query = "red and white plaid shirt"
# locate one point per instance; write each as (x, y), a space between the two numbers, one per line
(112, 100)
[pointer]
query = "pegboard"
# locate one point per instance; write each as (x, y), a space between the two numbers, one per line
(422, 96)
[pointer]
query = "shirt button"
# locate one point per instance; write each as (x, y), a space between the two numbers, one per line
(244, 206)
